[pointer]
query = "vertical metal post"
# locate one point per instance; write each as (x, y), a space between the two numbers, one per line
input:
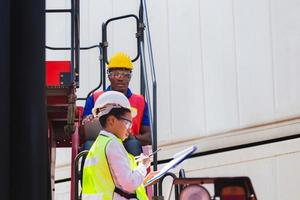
(104, 55)
(5, 38)
(150, 53)
(103, 72)
(29, 153)
(52, 156)
(72, 38)
(141, 39)
(142, 82)
(151, 114)
(77, 41)
(75, 144)
(154, 142)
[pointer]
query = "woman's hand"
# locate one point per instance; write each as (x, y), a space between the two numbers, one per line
(149, 176)
(144, 160)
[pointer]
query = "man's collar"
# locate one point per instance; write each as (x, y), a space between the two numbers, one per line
(128, 94)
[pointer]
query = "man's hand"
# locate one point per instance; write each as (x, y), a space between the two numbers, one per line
(88, 118)
(145, 135)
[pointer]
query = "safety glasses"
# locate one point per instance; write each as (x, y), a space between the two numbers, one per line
(123, 74)
(127, 122)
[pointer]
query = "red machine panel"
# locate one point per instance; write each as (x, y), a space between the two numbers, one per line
(58, 73)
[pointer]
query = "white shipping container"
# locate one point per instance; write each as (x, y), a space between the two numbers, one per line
(227, 74)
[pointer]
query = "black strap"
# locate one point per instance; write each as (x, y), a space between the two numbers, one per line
(125, 194)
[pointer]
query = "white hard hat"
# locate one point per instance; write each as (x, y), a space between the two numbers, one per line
(109, 100)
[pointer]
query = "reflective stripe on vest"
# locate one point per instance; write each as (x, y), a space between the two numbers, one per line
(98, 183)
(92, 196)
(137, 103)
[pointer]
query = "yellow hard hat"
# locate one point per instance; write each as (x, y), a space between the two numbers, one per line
(120, 60)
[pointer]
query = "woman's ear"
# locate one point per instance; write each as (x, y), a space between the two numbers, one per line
(111, 120)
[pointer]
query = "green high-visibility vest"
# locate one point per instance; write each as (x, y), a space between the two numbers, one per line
(97, 179)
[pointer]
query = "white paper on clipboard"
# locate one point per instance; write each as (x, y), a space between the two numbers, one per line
(177, 158)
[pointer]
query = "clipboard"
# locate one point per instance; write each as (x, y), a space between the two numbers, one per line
(177, 159)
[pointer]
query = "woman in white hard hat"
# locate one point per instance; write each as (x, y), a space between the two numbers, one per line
(109, 171)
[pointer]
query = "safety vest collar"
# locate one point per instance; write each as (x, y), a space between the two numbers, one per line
(109, 134)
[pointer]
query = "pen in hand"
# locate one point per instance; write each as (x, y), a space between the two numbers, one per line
(147, 156)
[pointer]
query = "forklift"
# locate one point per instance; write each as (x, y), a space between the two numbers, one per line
(62, 80)
(64, 116)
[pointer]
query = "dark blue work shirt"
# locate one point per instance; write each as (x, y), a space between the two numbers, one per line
(89, 104)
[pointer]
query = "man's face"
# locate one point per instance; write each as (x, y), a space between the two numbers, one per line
(119, 79)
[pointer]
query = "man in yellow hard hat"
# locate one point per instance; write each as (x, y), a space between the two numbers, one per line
(111, 173)
(119, 73)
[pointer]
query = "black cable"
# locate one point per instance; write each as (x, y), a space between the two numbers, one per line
(63, 180)
(81, 98)
(237, 147)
